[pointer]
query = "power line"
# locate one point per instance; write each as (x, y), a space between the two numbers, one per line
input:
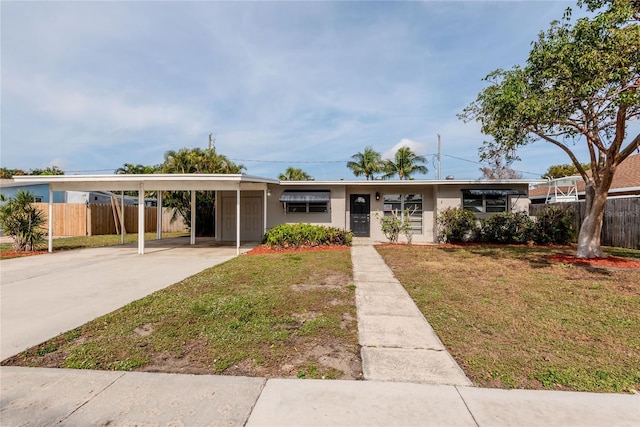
(289, 161)
(485, 164)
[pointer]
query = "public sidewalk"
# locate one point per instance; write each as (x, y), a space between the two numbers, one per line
(39, 397)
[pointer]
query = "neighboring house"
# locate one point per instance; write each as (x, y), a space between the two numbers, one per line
(626, 183)
(246, 206)
(9, 188)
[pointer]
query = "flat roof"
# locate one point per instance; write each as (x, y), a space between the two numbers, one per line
(168, 182)
(150, 182)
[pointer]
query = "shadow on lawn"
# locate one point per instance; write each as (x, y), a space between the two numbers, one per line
(536, 256)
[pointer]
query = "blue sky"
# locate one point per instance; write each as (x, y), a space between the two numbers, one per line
(88, 86)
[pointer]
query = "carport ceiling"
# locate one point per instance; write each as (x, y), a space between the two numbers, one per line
(151, 182)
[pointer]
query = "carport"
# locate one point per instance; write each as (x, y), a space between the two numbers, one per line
(158, 183)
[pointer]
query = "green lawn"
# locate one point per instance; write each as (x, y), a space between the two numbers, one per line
(278, 315)
(512, 319)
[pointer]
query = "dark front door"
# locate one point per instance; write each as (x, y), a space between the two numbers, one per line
(360, 205)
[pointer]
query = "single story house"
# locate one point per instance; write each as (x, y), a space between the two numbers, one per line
(246, 206)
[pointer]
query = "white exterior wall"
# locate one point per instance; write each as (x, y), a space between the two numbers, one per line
(377, 209)
(335, 217)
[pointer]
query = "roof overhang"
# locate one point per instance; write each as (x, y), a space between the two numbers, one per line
(150, 182)
(412, 182)
(494, 192)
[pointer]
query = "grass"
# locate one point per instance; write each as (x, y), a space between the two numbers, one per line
(514, 320)
(68, 243)
(264, 315)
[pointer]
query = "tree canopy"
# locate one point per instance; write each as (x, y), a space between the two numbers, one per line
(367, 163)
(560, 171)
(294, 174)
(580, 85)
(404, 164)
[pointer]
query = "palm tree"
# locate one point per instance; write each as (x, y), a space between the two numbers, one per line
(366, 163)
(294, 174)
(405, 164)
(197, 160)
(130, 168)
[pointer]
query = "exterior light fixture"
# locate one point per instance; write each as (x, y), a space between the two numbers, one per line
(377, 195)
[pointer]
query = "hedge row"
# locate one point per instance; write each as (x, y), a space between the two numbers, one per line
(292, 235)
(553, 226)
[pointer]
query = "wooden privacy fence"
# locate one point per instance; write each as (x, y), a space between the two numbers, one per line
(621, 223)
(79, 219)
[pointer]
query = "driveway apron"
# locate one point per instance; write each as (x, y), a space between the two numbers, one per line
(44, 295)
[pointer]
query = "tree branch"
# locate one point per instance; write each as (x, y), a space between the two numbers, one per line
(566, 149)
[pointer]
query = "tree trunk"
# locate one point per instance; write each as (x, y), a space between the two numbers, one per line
(589, 237)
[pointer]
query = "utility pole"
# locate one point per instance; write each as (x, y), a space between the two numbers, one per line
(439, 159)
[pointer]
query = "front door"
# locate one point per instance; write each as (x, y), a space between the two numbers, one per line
(359, 223)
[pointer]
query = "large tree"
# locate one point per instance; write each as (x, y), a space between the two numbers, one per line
(580, 85)
(404, 164)
(367, 163)
(294, 174)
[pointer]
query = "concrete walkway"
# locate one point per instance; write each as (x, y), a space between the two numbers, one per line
(398, 344)
(38, 397)
(44, 295)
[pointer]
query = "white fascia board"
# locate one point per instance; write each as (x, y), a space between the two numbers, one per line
(151, 182)
(414, 182)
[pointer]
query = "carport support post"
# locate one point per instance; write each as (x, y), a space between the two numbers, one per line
(238, 220)
(159, 215)
(141, 219)
(50, 226)
(122, 217)
(192, 240)
(264, 210)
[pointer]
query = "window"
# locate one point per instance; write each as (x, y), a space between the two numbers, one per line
(488, 201)
(302, 201)
(307, 207)
(398, 203)
(37, 199)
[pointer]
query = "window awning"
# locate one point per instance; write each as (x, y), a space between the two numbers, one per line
(305, 196)
(494, 192)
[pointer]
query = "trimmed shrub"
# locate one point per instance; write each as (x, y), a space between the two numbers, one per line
(293, 235)
(456, 225)
(555, 226)
(507, 227)
(22, 221)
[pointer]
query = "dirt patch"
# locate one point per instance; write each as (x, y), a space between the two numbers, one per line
(264, 249)
(611, 261)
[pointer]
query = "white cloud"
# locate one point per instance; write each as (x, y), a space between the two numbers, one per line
(419, 148)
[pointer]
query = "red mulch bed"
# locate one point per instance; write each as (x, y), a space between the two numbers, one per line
(264, 249)
(14, 254)
(611, 261)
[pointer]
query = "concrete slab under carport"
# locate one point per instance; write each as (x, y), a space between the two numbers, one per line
(44, 295)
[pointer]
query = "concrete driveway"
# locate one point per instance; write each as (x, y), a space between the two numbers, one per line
(44, 295)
